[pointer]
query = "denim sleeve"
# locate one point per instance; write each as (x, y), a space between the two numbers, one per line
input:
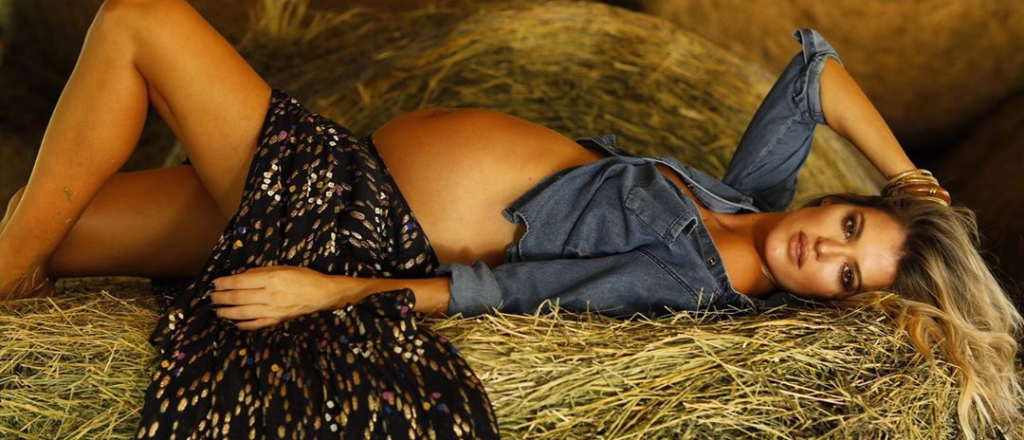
(778, 138)
(614, 285)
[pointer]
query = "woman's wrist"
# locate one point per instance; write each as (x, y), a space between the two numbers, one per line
(431, 294)
(899, 166)
(348, 290)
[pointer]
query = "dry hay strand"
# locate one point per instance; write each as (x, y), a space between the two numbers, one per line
(76, 366)
(579, 68)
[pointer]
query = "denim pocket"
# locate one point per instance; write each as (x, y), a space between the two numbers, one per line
(662, 209)
(669, 296)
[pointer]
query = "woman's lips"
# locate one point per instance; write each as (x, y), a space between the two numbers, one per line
(803, 248)
(796, 249)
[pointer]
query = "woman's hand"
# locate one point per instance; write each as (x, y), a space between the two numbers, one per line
(266, 296)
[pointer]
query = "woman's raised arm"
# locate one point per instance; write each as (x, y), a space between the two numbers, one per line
(850, 114)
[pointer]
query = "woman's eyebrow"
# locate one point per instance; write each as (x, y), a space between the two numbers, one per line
(856, 266)
(860, 281)
(860, 230)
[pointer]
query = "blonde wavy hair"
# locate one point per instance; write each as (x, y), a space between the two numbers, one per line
(944, 292)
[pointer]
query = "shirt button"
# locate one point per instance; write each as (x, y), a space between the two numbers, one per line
(711, 261)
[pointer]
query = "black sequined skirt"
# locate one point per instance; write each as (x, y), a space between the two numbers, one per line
(316, 196)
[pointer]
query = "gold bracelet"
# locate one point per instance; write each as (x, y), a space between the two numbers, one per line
(916, 179)
(905, 173)
(895, 186)
(910, 177)
(920, 171)
(932, 190)
(909, 182)
(898, 189)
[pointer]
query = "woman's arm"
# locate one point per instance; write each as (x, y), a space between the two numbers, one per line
(432, 294)
(267, 295)
(850, 113)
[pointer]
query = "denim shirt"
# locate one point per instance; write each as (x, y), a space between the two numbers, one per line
(617, 237)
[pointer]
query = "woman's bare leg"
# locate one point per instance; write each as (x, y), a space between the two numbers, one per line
(92, 132)
(136, 52)
(125, 231)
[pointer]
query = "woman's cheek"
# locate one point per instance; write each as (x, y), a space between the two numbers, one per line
(821, 285)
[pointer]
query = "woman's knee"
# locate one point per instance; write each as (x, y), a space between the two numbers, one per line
(126, 17)
(117, 8)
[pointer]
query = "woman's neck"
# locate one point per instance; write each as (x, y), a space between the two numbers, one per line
(753, 228)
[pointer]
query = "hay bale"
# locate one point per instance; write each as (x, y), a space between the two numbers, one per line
(931, 68)
(579, 68)
(76, 366)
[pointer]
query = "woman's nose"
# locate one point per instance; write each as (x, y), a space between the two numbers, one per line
(825, 247)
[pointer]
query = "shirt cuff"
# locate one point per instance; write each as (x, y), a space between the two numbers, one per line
(474, 289)
(815, 50)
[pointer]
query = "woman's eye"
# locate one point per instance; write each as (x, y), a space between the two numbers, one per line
(848, 227)
(847, 277)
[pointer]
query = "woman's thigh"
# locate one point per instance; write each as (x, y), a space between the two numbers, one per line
(200, 85)
(152, 223)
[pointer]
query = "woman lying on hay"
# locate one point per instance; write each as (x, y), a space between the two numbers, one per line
(302, 321)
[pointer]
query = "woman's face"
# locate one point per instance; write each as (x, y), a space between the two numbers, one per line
(845, 249)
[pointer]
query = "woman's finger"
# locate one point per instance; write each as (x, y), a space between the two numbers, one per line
(241, 313)
(241, 297)
(250, 279)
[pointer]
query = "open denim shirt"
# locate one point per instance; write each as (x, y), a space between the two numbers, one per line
(617, 237)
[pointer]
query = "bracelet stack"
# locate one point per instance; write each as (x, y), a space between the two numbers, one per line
(917, 182)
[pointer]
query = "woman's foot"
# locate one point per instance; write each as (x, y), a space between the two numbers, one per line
(22, 284)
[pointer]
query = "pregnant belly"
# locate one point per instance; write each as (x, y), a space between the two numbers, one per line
(459, 168)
